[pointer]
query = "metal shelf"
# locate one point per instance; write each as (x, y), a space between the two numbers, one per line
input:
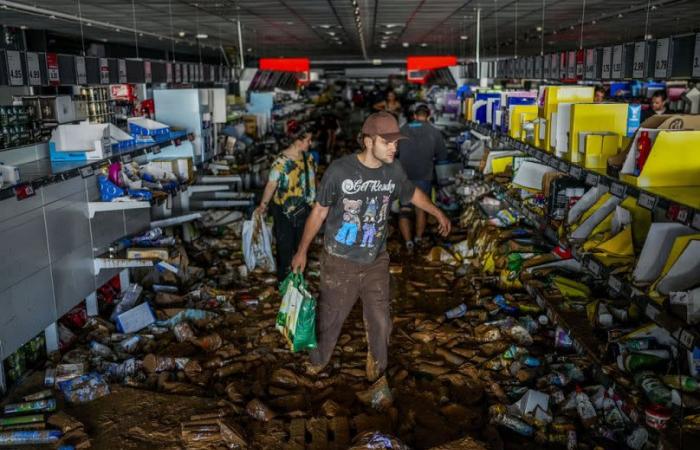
(651, 198)
(95, 207)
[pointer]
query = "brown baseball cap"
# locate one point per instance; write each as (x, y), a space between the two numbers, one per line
(382, 124)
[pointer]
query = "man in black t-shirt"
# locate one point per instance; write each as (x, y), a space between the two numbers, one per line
(354, 200)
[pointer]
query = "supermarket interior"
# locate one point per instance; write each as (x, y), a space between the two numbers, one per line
(350, 224)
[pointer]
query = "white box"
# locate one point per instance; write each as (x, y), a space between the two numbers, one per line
(135, 319)
(91, 139)
(9, 174)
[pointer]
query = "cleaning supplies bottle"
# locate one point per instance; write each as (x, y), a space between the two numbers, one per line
(585, 409)
(643, 150)
(682, 382)
(654, 389)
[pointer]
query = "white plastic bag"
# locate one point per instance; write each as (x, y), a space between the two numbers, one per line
(257, 244)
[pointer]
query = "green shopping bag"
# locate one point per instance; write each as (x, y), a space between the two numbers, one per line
(296, 319)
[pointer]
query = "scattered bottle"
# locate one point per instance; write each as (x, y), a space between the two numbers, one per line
(29, 437)
(681, 382)
(654, 389)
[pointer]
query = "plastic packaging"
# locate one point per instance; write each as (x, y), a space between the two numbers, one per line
(375, 440)
(123, 370)
(21, 420)
(210, 343)
(29, 437)
(155, 363)
(33, 406)
(128, 300)
(85, 388)
(189, 315)
(101, 350)
(585, 409)
(457, 311)
(259, 411)
(183, 332)
(46, 393)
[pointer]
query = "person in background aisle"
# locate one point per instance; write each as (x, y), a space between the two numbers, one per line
(659, 101)
(390, 104)
(599, 94)
(354, 200)
(424, 145)
(291, 187)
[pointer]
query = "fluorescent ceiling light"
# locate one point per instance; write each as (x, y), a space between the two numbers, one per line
(405, 44)
(464, 37)
(181, 34)
(202, 36)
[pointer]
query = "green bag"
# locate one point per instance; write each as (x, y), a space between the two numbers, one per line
(296, 319)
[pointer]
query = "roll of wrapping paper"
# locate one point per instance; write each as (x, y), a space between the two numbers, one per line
(8, 421)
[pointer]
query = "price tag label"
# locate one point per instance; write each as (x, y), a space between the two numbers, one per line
(126, 159)
(571, 65)
(14, 68)
(594, 266)
(617, 62)
(615, 284)
(80, 71)
(663, 50)
(122, 70)
(538, 67)
(607, 63)
(147, 71)
(590, 63)
(52, 69)
(104, 71)
(696, 57)
(683, 215)
(592, 179)
(638, 64)
(651, 311)
(168, 72)
(696, 220)
(647, 201)
(576, 172)
(33, 72)
(687, 339)
(618, 189)
(86, 171)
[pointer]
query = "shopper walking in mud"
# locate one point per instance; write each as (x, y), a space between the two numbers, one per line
(354, 200)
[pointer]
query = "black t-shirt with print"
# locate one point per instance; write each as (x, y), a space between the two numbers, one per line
(360, 199)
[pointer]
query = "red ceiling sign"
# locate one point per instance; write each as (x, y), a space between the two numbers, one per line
(299, 65)
(418, 67)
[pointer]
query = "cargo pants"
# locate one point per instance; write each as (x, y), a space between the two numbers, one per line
(342, 282)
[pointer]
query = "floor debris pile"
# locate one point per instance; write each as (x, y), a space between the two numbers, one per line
(486, 352)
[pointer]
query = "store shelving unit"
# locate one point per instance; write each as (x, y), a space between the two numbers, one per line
(686, 211)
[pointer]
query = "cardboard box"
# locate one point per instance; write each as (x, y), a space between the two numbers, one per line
(135, 319)
(148, 253)
(181, 167)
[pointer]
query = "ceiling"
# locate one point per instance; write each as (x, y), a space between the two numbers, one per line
(327, 29)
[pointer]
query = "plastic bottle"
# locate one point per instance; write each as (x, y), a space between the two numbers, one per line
(637, 439)
(101, 349)
(681, 382)
(643, 150)
(654, 389)
(29, 437)
(639, 361)
(500, 417)
(457, 311)
(585, 409)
